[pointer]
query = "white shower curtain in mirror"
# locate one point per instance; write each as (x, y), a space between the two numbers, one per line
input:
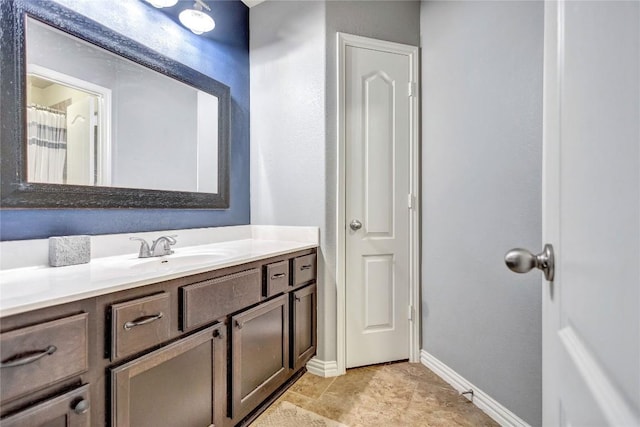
(47, 145)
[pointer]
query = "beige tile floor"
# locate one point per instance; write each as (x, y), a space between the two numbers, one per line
(398, 394)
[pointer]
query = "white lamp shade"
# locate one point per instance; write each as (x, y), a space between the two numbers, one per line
(162, 3)
(197, 21)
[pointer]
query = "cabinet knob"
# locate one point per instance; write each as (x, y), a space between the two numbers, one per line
(81, 407)
(218, 334)
(297, 298)
(239, 324)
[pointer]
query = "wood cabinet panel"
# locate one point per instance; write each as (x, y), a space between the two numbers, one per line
(303, 325)
(71, 409)
(276, 278)
(260, 353)
(181, 384)
(139, 324)
(304, 269)
(208, 301)
(43, 354)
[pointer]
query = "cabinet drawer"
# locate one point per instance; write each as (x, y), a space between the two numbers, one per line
(139, 324)
(276, 278)
(70, 409)
(304, 269)
(41, 355)
(207, 301)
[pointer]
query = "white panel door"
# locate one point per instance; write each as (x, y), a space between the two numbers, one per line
(81, 148)
(377, 129)
(591, 214)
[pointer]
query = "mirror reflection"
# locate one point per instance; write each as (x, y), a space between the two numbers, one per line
(94, 118)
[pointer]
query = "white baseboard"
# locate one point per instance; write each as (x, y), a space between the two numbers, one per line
(486, 403)
(322, 368)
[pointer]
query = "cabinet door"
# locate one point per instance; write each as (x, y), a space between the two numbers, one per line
(260, 352)
(303, 326)
(182, 384)
(68, 410)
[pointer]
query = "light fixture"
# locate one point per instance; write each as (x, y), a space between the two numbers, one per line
(162, 3)
(196, 20)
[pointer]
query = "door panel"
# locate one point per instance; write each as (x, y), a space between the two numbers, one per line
(377, 129)
(378, 140)
(303, 325)
(180, 384)
(259, 354)
(81, 142)
(591, 206)
(379, 292)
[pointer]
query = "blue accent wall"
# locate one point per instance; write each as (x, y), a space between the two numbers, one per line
(222, 55)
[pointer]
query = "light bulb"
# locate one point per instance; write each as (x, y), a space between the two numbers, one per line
(197, 21)
(162, 3)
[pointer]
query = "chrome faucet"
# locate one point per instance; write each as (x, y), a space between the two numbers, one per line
(165, 246)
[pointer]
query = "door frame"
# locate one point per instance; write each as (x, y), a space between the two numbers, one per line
(413, 202)
(104, 121)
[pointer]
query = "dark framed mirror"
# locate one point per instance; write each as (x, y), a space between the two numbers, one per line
(93, 119)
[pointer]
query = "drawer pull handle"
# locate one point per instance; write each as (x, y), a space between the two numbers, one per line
(143, 321)
(81, 407)
(239, 324)
(29, 357)
(306, 267)
(278, 276)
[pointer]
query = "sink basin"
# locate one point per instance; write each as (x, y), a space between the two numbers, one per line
(176, 261)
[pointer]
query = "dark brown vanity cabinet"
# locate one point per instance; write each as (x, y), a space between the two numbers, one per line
(181, 384)
(259, 354)
(210, 349)
(303, 325)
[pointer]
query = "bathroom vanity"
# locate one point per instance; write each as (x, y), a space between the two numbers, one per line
(158, 342)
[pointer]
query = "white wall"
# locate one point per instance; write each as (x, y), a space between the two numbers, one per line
(287, 56)
(481, 189)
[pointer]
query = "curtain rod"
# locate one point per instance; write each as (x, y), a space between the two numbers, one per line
(49, 109)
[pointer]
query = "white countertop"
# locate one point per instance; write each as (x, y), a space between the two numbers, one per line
(30, 288)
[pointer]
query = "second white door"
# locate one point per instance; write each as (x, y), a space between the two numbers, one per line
(378, 131)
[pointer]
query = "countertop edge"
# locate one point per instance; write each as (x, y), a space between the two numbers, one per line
(187, 271)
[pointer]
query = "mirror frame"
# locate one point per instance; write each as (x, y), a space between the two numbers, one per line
(15, 191)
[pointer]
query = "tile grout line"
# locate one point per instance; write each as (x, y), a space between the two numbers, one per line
(326, 388)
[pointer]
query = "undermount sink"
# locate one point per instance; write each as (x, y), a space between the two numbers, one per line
(176, 261)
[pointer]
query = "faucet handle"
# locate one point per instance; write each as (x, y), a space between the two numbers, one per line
(144, 247)
(167, 242)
